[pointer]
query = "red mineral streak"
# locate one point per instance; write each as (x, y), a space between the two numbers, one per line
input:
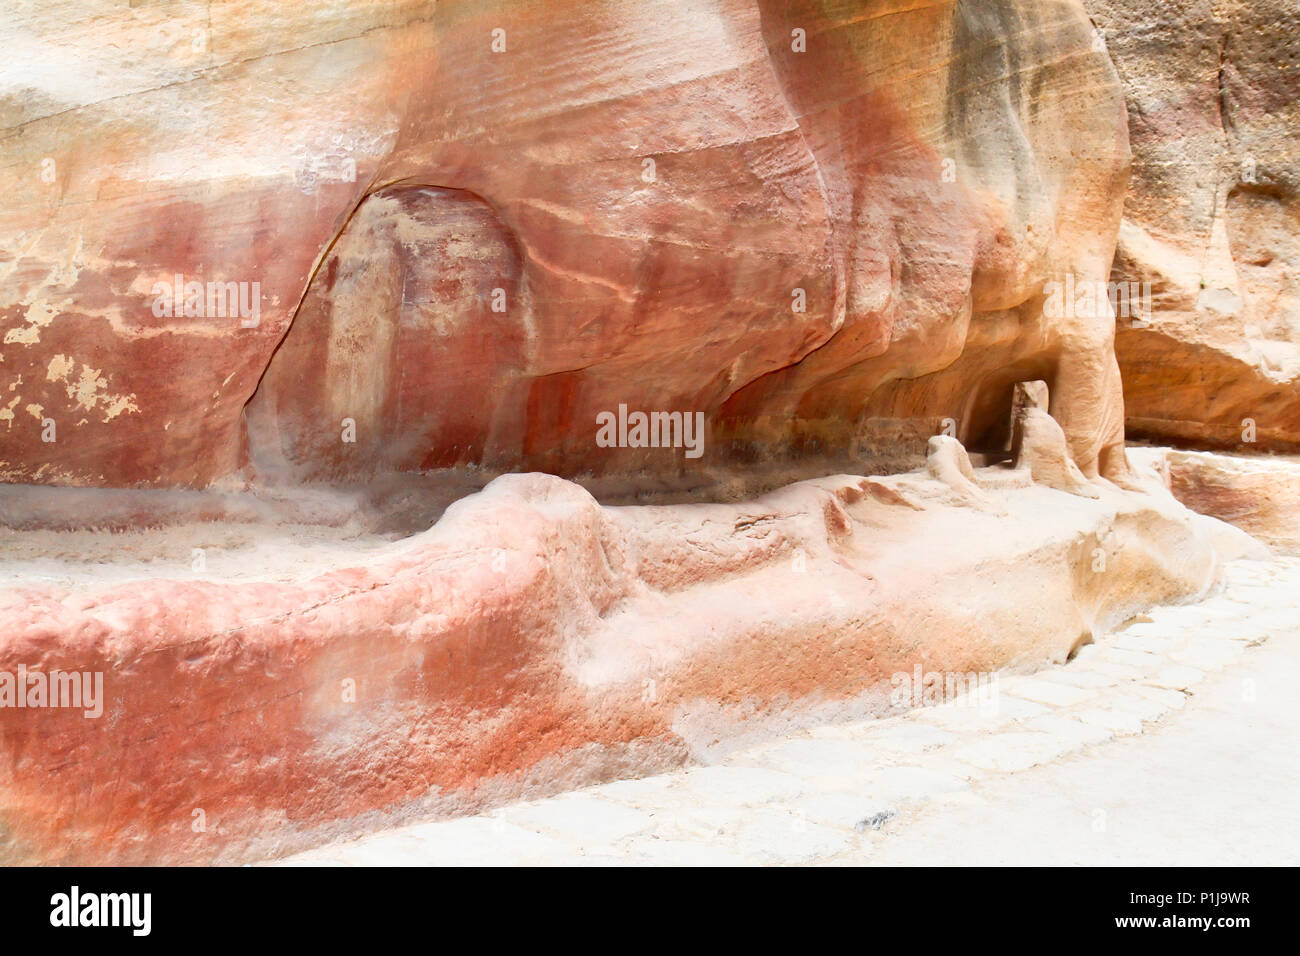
(918, 174)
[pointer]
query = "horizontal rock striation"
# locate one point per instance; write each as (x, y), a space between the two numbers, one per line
(1258, 494)
(468, 229)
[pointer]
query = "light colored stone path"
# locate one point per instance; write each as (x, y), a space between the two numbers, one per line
(1171, 742)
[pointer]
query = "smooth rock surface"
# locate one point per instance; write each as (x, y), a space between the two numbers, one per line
(1099, 782)
(534, 641)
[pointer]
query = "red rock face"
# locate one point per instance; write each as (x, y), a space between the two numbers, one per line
(781, 216)
(945, 303)
(404, 338)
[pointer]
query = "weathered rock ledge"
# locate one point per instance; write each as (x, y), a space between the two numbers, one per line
(534, 640)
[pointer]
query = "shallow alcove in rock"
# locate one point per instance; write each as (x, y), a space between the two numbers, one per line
(402, 347)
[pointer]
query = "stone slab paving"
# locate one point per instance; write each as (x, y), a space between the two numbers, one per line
(1170, 742)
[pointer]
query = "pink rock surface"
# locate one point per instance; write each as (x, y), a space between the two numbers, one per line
(816, 224)
(823, 227)
(533, 640)
(1258, 494)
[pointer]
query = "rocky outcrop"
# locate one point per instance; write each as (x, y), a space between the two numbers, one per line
(534, 641)
(468, 229)
(1211, 219)
(948, 463)
(1258, 494)
(1039, 445)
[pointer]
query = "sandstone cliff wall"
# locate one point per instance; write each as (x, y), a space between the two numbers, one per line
(1212, 218)
(474, 226)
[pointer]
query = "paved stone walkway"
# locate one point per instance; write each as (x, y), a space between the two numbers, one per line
(1171, 742)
